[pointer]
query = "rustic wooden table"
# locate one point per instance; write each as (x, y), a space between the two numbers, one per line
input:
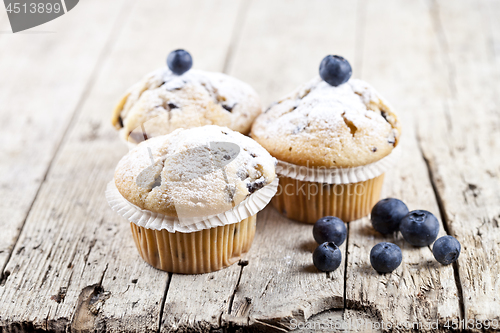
(67, 262)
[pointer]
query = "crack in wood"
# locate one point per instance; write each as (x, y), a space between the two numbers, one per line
(240, 18)
(117, 26)
(3, 273)
(89, 304)
(445, 220)
(242, 264)
(269, 325)
(3, 277)
(345, 265)
(86, 256)
(163, 301)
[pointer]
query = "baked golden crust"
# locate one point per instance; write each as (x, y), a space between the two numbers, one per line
(321, 125)
(194, 172)
(162, 102)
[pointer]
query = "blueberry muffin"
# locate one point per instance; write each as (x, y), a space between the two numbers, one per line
(333, 145)
(192, 197)
(168, 99)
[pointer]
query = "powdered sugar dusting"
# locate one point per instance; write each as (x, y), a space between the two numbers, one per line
(205, 170)
(224, 89)
(317, 107)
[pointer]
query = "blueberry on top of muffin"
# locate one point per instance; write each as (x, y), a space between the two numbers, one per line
(180, 97)
(319, 124)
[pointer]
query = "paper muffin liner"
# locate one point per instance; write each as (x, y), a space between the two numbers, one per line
(338, 175)
(309, 201)
(196, 252)
(156, 221)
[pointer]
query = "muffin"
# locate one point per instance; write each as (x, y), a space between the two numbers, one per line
(333, 145)
(164, 101)
(192, 196)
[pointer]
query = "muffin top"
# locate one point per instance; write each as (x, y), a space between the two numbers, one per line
(319, 125)
(194, 172)
(163, 102)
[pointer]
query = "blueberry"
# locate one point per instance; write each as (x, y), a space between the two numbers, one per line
(385, 257)
(179, 61)
(335, 70)
(387, 214)
(419, 228)
(327, 257)
(446, 250)
(330, 229)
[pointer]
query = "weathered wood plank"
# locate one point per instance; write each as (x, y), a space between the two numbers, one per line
(461, 145)
(420, 290)
(280, 283)
(263, 37)
(75, 264)
(76, 256)
(43, 78)
(198, 302)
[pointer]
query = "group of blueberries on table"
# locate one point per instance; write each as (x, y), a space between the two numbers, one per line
(418, 227)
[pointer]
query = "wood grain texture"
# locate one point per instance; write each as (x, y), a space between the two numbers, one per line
(255, 301)
(461, 146)
(75, 264)
(420, 290)
(198, 302)
(44, 78)
(280, 283)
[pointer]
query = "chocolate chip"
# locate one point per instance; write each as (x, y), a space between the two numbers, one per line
(384, 115)
(227, 157)
(253, 155)
(172, 106)
(228, 107)
(120, 121)
(257, 185)
(374, 149)
(231, 191)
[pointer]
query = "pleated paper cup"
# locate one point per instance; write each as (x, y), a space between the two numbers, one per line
(306, 194)
(207, 244)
